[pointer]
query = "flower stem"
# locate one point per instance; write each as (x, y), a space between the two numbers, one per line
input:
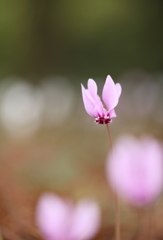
(109, 135)
(152, 232)
(116, 200)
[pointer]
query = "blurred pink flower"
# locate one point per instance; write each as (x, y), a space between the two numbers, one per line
(92, 102)
(58, 219)
(135, 169)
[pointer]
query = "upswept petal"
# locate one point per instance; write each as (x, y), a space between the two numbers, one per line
(92, 87)
(119, 89)
(109, 94)
(99, 106)
(112, 113)
(52, 215)
(100, 110)
(89, 102)
(86, 220)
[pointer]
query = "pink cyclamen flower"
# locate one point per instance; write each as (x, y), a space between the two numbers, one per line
(135, 169)
(59, 219)
(92, 102)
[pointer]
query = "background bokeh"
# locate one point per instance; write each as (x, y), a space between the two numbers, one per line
(48, 142)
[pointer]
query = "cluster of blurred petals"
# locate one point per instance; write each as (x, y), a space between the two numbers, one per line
(135, 169)
(60, 219)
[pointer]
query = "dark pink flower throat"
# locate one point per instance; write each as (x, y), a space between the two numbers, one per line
(103, 120)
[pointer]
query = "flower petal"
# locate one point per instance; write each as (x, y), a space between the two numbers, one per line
(86, 220)
(89, 102)
(120, 168)
(52, 215)
(119, 89)
(109, 94)
(92, 87)
(112, 113)
(99, 109)
(135, 170)
(153, 156)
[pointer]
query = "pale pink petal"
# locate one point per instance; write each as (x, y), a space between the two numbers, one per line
(109, 94)
(117, 162)
(86, 220)
(92, 87)
(124, 172)
(112, 114)
(99, 109)
(89, 103)
(119, 89)
(52, 216)
(135, 171)
(153, 157)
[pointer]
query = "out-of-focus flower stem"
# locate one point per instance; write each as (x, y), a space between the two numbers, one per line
(117, 207)
(151, 224)
(145, 224)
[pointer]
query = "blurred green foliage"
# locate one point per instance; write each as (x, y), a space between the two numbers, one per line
(80, 38)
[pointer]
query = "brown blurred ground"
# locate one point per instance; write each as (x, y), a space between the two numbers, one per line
(28, 168)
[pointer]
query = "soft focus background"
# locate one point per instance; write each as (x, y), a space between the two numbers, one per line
(48, 142)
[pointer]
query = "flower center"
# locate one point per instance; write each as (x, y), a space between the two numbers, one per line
(103, 120)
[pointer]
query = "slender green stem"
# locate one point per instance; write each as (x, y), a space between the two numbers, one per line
(117, 207)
